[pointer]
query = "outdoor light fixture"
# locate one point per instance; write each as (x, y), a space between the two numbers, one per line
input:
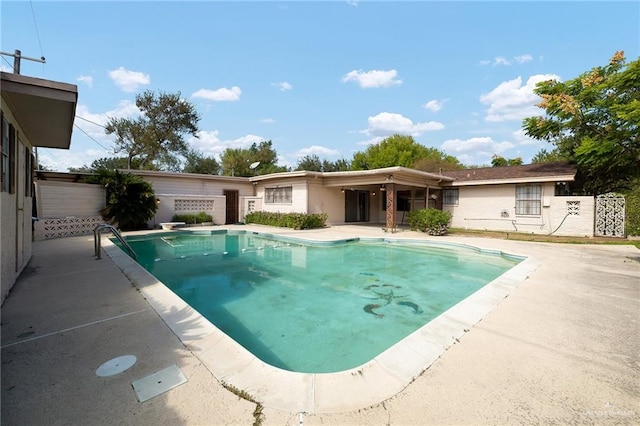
(374, 193)
(383, 188)
(342, 190)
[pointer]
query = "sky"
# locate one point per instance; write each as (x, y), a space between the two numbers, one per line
(327, 78)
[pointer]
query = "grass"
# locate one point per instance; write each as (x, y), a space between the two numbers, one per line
(521, 236)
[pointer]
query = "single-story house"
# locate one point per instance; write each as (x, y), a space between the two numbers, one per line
(531, 198)
(35, 113)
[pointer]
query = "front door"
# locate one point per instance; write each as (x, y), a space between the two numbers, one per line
(356, 206)
(231, 215)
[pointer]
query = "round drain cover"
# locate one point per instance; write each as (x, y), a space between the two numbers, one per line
(116, 365)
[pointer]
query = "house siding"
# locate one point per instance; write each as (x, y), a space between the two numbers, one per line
(299, 196)
(12, 228)
(492, 207)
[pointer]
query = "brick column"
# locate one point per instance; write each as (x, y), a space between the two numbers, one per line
(391, 206)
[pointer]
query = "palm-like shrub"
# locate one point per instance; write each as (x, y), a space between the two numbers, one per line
(131, 201)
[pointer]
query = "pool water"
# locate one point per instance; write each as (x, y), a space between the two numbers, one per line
(315, 308)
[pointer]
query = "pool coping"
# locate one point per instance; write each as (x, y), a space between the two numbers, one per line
(373, 382)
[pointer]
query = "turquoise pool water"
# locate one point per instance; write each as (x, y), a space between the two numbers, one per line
(315, 308)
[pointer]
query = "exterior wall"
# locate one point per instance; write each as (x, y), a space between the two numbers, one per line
(62, 199)
(67, 209)
(249, 205)
(327, 200)
(299, 192)
(15, 216)
(492, 207)
(201, 190)
(167, 207)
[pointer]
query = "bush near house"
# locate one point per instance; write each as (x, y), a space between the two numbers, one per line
(632, 222)
(189, 218)
(431, 221)
(287, 220)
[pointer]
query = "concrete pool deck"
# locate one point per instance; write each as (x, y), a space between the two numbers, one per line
(563, 347)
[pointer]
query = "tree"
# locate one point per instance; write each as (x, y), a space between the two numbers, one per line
(237, 161)
(340, 165)
(544, 156)
(594, 121)
(131, 201)
(499, 161)
(398, 150)
(437, 161)
(108, 163)
(310, 163)
(156, 137)
(195, 162)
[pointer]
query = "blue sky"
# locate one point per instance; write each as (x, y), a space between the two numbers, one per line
(325, 78)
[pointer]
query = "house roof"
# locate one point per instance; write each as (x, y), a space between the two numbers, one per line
(44, 109)
(542, 172)
(180, 175)
(400, 175)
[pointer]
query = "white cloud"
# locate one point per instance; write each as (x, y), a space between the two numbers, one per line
(434, 105)
(219, 95)
(54, 159)
(283, 86)
(353, 3)
(86, 119)
(372, 141)
(387, 123)
(318, 150)
(501, 60)
(129, 81)
(522, 139)
(375, 78)
(209, 142)
(475, 150)
(267, 121)
(86, 79)
(511, 100)
(523, 58)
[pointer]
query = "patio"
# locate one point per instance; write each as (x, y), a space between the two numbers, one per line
(564, 347)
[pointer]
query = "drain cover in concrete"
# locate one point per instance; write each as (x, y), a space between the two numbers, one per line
(116, 365)
(158, 383)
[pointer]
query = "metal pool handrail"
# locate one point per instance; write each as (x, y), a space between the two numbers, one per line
(97, 239)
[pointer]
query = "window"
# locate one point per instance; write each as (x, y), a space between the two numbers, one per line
(450, 196)
(573, 208)
(28, 177)
(528, 200)
(281, 195)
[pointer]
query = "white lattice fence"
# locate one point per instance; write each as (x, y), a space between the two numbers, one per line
(46, 229)
(610, 212)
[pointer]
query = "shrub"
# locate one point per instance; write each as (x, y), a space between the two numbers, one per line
(201, 217)
(431, 221)
(632, 207)
(130, 202)
(287, 220)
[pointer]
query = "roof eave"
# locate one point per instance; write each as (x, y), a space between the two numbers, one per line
(44, 109)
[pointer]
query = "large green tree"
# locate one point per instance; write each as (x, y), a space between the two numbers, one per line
(312, 162)
(239, 161)
(399, 150)
(594, 121)
(157, 137)
(196, 162)
(500, 161)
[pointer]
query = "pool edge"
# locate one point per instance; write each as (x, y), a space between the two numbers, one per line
(373, 382)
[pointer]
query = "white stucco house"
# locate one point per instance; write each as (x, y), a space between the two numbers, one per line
(35, 113)
(532, 198)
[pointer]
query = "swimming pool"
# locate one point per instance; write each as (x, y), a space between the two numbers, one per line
(316, 307)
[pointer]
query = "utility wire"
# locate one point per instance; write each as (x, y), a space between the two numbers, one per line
(7, 61)
(89, 121)
(37, 32)
(103, 147)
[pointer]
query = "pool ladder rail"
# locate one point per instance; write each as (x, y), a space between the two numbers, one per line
(97, 240)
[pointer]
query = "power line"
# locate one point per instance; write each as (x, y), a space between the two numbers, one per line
(7, 61)
(36, 25)
(103, 147)
(89, 121)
